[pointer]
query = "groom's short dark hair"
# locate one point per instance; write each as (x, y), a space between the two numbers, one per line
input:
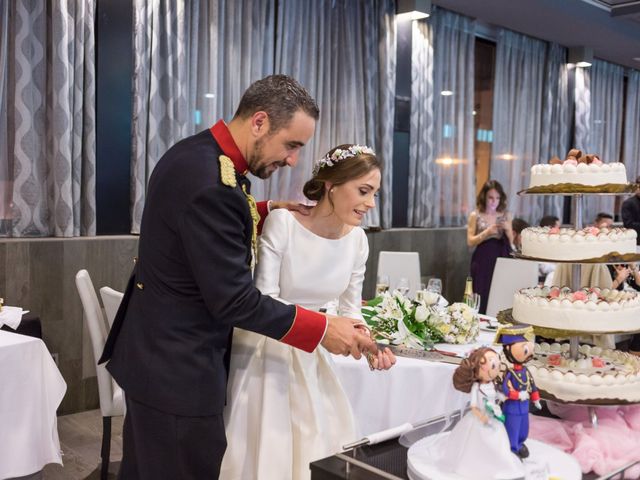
(281, 97)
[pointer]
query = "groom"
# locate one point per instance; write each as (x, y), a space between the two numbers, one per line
(169, 344)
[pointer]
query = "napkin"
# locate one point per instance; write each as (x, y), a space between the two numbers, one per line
(11, 316)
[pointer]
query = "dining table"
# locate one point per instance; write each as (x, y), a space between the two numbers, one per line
(31, 390)
(413, 390)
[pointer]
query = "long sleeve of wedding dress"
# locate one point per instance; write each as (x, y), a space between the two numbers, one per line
(286, 408)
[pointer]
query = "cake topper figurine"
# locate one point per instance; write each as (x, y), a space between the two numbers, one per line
(518, 385)
(478, 446)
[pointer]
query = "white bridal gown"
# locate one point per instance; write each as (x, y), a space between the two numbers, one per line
(286, 406)
(477, 450)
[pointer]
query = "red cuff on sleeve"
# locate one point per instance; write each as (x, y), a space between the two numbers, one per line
(263, 211)
(535, 396)
(307, 330)
(514, 395)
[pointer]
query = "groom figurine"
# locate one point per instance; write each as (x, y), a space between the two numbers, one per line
(518, 385)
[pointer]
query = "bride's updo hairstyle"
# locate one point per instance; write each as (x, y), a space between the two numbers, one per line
(340, 165)
(467, 373)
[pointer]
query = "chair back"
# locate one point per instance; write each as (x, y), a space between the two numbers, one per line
(111, 300)
(509, 275)
(399, 265)
(111, 395)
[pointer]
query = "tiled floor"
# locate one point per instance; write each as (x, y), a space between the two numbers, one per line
(80, 440)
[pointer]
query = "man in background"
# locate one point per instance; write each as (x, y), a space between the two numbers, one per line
(631, 211)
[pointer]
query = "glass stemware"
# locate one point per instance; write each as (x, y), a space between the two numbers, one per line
(382, 285)
(435, 285)
(403, 286)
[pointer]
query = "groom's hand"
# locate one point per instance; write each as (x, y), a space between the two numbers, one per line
(291, 206)
(343, 338)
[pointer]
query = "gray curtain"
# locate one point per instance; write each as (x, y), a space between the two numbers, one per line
(192, 61)
(343, 52)
(631, 146)
(599, 102)
(441, 149)
(47, 119)
(556, 122)
(518, 117)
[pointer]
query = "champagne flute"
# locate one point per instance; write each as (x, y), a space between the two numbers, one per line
(435, 285)
(403, 286)
(383, 284)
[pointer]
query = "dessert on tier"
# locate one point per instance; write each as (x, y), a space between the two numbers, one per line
(578, 169)
(566, 244)
(598, 375)
(591, 310)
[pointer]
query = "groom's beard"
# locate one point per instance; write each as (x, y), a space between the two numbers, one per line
(255, 162)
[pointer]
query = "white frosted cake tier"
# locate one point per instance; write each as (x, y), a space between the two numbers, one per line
(582, 174)
(591, 310)
(598, 376)
(569, 244)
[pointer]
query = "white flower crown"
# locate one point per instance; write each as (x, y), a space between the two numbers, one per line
(340, 154)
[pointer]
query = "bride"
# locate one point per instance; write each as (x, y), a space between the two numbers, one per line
(287, 407)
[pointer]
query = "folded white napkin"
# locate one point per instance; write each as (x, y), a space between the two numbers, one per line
(11, 316)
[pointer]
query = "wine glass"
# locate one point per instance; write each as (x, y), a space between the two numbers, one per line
(383, 284)
(435, 285)
(403, 286)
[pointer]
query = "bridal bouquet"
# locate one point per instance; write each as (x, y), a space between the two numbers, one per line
(419, 324)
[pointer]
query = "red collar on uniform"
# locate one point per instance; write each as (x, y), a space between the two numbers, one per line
(222, 135)
(517, 367)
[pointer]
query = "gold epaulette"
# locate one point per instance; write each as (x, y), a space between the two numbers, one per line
(227, 171)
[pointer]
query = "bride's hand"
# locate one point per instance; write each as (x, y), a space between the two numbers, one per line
(384, 360)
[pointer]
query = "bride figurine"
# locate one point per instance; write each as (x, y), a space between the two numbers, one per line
(478, 446)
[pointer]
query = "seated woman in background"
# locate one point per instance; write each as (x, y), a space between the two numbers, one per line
(489, 230)
(545, 269)
(518, 225)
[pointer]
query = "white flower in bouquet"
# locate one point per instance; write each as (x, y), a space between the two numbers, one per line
(430, 298)
(422, 313)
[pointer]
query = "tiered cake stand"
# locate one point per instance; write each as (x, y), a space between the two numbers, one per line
(574, 352)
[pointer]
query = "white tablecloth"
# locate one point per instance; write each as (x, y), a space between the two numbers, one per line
(31, 389)
(412, 391)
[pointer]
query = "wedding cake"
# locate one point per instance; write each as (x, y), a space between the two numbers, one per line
(591, 310)
(598, 375)
(578, 169)
(568, 244)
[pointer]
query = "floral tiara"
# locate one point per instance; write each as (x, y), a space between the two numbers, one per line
(340, 154)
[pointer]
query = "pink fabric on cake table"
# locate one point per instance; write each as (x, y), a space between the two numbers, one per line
(615, 443)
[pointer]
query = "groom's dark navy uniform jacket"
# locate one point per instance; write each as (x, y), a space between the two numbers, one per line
(169, 344)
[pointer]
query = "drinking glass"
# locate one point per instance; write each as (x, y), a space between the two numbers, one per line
(435, 285)
(403, 286)
(383, 285)
(420, 293)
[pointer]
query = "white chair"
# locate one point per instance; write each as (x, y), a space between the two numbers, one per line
(111, 300)
(111, 395)
(399, 265)
(509, 275)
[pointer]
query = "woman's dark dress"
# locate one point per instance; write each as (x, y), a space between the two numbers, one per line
(483, 260)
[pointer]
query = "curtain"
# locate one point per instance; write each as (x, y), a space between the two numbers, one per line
(556, 123)
(343, 52)
(599, 102)
(192, 62)
(631, 146)
(47, 119)
(518, 117)
(441, 148)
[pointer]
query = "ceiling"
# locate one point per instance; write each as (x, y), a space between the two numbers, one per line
(610, 27)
